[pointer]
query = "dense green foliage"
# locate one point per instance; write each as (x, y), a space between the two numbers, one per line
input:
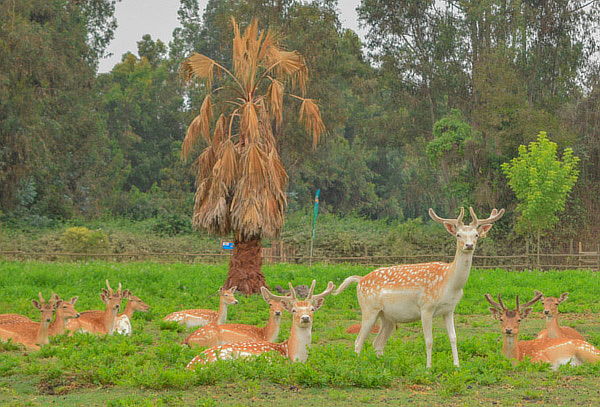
(423, 113)
(153, 358)
(541, 181)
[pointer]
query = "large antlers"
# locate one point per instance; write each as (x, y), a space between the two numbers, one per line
(498, 305)
(494, 216)
(294, 296)
(456, 222)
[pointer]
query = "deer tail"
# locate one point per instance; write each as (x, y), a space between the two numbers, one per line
(346, 283)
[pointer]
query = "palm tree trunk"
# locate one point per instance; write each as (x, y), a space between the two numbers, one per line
(244, 267)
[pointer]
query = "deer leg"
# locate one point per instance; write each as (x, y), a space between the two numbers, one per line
(449, 320)
(387, 327)
(426, 321)
(368, 320)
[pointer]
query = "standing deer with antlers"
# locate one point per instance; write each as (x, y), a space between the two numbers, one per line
(295, 347)
(410, 292)
(553, 329)
(556, 351)
(98, 321)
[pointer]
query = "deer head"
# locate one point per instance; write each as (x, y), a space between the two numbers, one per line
(467, 235)
(227, 295)
(135, 303)
(302, 310)
(65, 309)
(510, 319)
(111, 298)
(551, 303)
(46, 308)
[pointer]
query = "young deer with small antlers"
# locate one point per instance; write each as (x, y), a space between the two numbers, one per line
(295, 348)
(123, 322)
(553, 329)
(410, 292)
(33, 334)
(201, 317)
(98, 321)
(556, 351)
(214, 334)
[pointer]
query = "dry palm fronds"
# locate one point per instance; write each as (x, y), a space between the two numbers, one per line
(240, 180)
(310, 116)
(275, 97)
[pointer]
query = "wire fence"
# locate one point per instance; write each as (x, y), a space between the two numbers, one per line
(587, 260)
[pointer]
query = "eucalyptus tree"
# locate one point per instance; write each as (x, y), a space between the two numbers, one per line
(240, 179)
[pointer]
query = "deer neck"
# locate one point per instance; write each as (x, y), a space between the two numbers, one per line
(129, 310)
(553, 328)
(272, 328)
(510, 347)
(222, 313)
(460, 269)
(57, 326)
(109, 318)
(298, 343)
(42, 335)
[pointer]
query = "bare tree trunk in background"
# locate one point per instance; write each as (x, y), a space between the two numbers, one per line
(244, 267)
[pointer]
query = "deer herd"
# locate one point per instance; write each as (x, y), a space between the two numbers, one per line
(390, 295)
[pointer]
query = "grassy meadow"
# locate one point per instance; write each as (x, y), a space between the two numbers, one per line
(148, 368)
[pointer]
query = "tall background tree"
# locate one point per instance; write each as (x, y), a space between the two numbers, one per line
(241, 181)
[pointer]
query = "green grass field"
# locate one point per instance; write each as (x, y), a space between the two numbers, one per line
(147, 369)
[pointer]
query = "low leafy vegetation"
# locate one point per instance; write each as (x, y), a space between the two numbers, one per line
(152, 360)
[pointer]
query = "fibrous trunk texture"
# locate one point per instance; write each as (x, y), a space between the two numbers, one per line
(244, 267)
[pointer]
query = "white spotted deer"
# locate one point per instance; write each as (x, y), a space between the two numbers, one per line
(556, 351)
(201, 317)
(123, 322)
(33, 334)
(214, 334)
(409, 292)
(295, 347)
(100, 322)
(553, 329)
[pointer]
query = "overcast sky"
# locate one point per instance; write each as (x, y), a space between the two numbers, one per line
(159, 17)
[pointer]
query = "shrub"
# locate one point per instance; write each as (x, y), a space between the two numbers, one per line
(80, 239)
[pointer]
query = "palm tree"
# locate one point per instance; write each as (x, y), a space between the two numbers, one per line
(240, 179)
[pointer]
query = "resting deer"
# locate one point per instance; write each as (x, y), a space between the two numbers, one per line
(98, 321)
(556, 351)
(123, 323)
(295, 347)
(213, 334)
(410, 292)
(201, 317)
(33, 334)
(553, 330)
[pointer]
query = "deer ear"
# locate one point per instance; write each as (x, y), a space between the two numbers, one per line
(125, 294)
(536, 292)
(233, 289)
(484, 229)
(264, 294)
(451, 228)
(318, 303)
(74, 300)
(495, 313)
(36, 304)
(525, 312)
(104, 297)
(57, 303)
(563, 297)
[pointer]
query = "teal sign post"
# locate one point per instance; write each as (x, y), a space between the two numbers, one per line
(314, 224)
